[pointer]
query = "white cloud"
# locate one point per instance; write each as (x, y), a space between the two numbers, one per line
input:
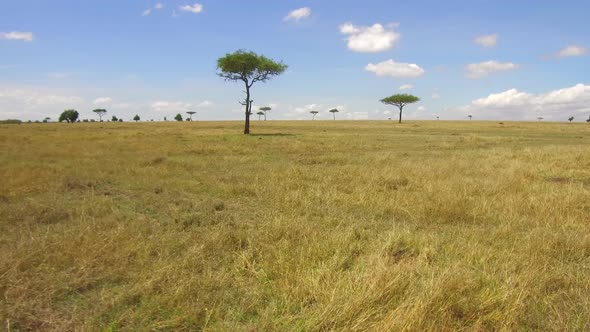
(435, 95)
(17, 35)
(514, 104)
(148, 11)
(406, 87)
(196, 8)
(298, 14)
(102, 100)
(486, 40)
(422, 108)
(395, 69)
(32, 103)
(572, 50)
(205, 103)
(171, 106)
(375, 38)
(483, 69)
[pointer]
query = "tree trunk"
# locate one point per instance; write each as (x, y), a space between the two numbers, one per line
(247, 123)
(264, 115)
(334, 114)
(400, 114)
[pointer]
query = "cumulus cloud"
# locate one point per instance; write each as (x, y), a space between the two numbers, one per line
(514, 104)
(17, 35)
(178, 106)
(298, 14)
(406, 87)
(572, 50)
(30, 103)
(483, 69)
(375, 38)
(102, 101)
(195, 8)
(486, 40)
(395, 69)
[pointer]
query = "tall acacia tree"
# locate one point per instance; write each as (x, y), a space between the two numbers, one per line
(313, 113)
(265, 109)
(249, 68)
(334, 111)
(260, 113)
(190, 113)
(400, 101)
(100, 112)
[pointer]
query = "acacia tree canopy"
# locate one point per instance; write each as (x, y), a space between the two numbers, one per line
(248, 67)
(400, 100)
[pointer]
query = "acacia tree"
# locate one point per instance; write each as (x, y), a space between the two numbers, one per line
(399, 101)
(249, 68)
(540, 118)
(114, 119)
(178, 117)
(190, 113)
(136, 118)
(570, 119)
(265, 109)
(588, 120)
(100, 112)
(314, 113)
(69, 116)
(470, 116)
(261, 113)
(334, 111)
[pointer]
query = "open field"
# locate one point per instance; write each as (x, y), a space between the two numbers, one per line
(306, 226)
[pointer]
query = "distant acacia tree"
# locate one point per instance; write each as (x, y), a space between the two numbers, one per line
(400, 101)
(47, 119)
(313, 113)
(249, 68)
(437, 117)
(260, 114)
(265, 109)
(190, 113)
(120, 120)
(69, 116)
(136, 118)
(470, 116)
(570, 119)
(100, 112)
(540, 118)
(178, 117)
(114, 119)
(334, 111)
(588, 120)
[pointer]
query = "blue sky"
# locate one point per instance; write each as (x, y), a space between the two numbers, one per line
(495, 59)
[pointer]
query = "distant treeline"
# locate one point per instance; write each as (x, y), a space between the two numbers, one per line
(10, 121)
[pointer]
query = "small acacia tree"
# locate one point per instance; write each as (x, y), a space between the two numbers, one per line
(249, 68)
(260, 114)
(400, 101)
(334, 111)
(178, 117)
(313, 113)
(69, 116)
(264, 110)
(190, 113)
(100, 112)
(570, 119)
(470, 116)
(136, 118)
(588, 120)
(114, 119)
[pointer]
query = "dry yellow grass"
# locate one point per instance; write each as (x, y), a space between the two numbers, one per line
(308, 226)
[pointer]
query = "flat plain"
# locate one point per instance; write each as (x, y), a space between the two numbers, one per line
(302, 226)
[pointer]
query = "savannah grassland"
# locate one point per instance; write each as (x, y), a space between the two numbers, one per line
(304, 226)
